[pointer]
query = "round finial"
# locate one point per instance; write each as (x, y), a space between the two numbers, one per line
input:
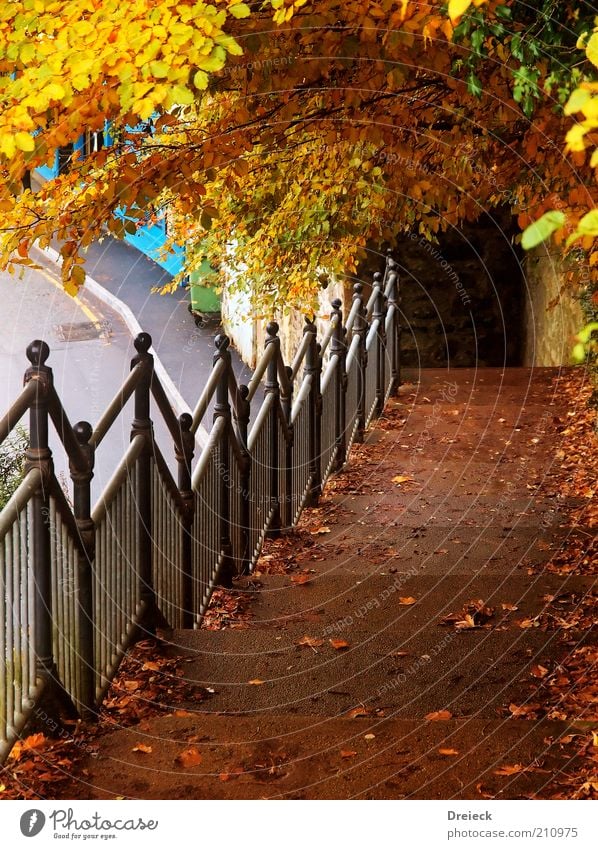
(38, 352)
(243, 391)
(389, 253)
(221, 341)
(185, 421)
(272, 328)
(357, 289)
(377, 278)
(142, 343)
(336, 304)
(83, 431)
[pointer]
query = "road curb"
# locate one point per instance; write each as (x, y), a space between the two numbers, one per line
(102, 294)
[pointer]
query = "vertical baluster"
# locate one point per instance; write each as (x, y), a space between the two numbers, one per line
(84, 566)
(222, 411)
(10, 642)
(395, 329)
(379, 316)
(142, 425)
(17, 652)
(39, 456)
(313, 369)
(338, 349)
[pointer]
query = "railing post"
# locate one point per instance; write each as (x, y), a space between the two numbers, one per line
(286, 402)
(82, 509)
(142, 426)
(395, 329)
(272, 388)
(313, 367)
(222, 410)
(338, 348)
(241, 415)
(360, 328)
(379, 315)
(39, 456)
(184, 455)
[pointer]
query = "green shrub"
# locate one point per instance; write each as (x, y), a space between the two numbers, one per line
(12, 463)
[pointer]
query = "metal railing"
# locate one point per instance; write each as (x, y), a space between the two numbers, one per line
(79, 584)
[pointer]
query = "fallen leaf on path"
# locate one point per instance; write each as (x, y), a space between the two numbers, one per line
(402, 479)
(188, 757)
(408, 600)
(369, 737)
(141, 747)
(346, 753)
(506, 606)
(300, 579)
(509, 769)
(359, 711)
(255, 681)
(323, 530)
(524, 710)
(448, 752)
(439, 716)
(339, 644)
(310, 642)
(539, 671)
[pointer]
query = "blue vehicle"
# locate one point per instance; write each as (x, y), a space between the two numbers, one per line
(148, 238)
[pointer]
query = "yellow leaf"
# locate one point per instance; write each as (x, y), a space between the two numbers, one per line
(240, 10)
(592, 49)
(456, 8)
(255, 682)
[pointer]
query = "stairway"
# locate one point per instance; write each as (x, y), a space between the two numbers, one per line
(378, 565)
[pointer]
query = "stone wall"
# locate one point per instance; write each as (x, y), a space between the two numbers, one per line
(461, 299)
(552, 314)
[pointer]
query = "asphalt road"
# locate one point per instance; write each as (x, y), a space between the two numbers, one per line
(90, 361)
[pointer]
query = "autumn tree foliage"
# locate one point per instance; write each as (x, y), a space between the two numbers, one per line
(290, 134)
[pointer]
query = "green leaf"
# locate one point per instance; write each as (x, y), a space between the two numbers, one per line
(474, 85)
(541, 229)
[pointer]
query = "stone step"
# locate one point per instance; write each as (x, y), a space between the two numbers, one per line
(305, 757)
(404, 664)
(367, 546)
(367, 602)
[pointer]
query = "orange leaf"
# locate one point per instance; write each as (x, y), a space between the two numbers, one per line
(359, 711)
(539, 671)
(407, 600)
(448, 752)
(141, 747)
(255, 681)
(339, 644)
(511, 769)
(402, 479)
(188, 757)
(346, 753)
(310, 642)
(322, 530)
(300, 579)
(439, 715)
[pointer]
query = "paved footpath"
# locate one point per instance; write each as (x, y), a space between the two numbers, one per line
(377, 567)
